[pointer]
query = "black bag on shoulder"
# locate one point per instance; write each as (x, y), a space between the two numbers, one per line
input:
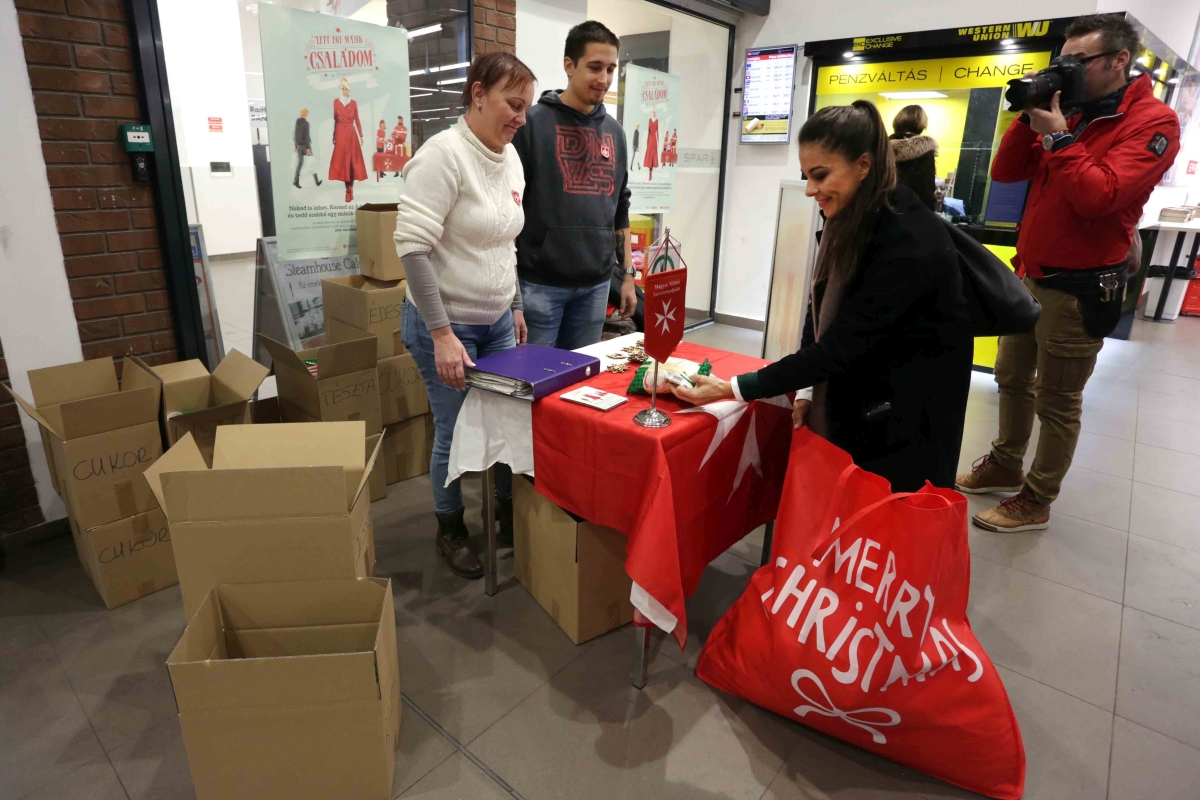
(997, 301)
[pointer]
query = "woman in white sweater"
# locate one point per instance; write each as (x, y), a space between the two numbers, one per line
(455, 231)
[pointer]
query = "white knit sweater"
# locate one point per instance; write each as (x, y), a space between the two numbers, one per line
(462, 205)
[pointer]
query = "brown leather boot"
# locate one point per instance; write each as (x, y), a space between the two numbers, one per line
(987, 477)
(454, 545)
(1021, 512)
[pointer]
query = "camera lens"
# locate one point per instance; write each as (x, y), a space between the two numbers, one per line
(1017, 95)
(1026, 93)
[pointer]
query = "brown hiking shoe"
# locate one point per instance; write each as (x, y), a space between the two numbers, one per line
(987, 477)
(1021, 512)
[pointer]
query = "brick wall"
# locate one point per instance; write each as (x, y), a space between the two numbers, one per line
(18, 499)
(495, 26)
(81, 69)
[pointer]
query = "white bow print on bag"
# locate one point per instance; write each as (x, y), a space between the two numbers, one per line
(860, 718)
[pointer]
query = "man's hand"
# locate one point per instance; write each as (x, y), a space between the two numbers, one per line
(628, 297)
(520, 329)
(1047, 120)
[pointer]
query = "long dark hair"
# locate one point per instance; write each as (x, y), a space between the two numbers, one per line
(850, 131)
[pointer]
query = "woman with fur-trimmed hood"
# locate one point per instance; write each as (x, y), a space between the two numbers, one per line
(915, 154)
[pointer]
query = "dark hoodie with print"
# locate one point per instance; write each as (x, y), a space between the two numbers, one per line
(576, 194)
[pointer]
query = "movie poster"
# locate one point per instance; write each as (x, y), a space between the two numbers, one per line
(650, 118)
(337, 120)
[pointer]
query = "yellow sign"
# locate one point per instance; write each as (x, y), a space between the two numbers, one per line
(1009, 30)
(976, 72)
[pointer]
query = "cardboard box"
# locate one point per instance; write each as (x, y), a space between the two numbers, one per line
(129, 558)
(99, 436)
(376, 223)
(378, 483)
(344, 388)
(574, 569)
(407, 447)
(356, 306)
(280, 502)
(195, 402)
(290, 691)
(402, 392)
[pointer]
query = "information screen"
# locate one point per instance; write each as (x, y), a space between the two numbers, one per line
(767, 96)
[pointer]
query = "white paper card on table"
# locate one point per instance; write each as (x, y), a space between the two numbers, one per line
(594, 398)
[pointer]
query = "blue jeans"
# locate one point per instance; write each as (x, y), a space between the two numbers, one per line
(445, 400)
(563, 317)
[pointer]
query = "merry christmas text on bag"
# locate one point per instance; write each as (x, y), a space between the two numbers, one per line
(858, 626)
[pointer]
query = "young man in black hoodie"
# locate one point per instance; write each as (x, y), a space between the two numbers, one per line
(576, 200)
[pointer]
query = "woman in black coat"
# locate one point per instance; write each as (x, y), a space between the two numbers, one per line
(885, 342)
(915, 154)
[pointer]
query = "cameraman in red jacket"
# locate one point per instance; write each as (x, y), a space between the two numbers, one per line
(1091, 173)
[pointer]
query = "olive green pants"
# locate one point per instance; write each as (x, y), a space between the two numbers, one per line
(1044, 373)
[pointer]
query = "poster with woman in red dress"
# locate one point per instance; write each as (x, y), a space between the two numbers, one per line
(650, 114)
(347, 162)
(353, 78)
(651, 160)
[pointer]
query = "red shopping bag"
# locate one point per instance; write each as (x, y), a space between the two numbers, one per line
(858, 626)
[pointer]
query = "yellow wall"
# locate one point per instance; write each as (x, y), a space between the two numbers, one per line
(947, 119)
(985, 347)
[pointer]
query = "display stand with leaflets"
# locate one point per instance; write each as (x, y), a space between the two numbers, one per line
(287, 297)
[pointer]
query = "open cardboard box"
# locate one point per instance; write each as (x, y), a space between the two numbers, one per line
(356, 305)
(99, 436)
(196, 402)
(377, 258)
(573, 568)
(129, 558)
(402, 392)
(280, 502)
(290, 691)
(345, 386)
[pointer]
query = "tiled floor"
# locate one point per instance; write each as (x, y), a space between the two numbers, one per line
(1094, 625)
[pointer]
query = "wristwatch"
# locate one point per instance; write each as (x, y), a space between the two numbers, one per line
(629, 271)
(1053, 142)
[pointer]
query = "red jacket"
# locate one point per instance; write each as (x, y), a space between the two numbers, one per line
(1086, 199)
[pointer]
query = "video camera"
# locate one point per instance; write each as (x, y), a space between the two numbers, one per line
(1066, 74)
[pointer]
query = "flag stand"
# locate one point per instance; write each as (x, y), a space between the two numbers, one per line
(662, 262)
(651, 417)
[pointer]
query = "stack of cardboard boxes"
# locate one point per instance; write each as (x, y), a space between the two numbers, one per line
(286, 677)
(99, 436)
(372, 304)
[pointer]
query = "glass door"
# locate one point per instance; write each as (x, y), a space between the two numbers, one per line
(671, 97)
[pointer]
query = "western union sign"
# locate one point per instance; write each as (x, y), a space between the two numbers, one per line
(1014, 30)
(975, 72)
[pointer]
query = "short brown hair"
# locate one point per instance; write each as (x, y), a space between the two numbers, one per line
(495, 69)
(911, 121)
(1116, 34)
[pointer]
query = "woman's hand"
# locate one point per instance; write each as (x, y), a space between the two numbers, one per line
(520, 329)
(451, 357)
(708, 390)
(800, 410)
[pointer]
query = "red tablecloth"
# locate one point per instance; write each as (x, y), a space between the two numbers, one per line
(682, 494)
